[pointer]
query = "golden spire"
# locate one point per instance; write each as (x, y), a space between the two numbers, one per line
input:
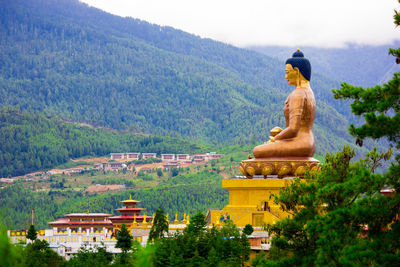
(184, 218)
(298, 49)
(144, 221)
(130, 197)
(176, 219)
(167, 217)
(134, 224)
(188, 221)
(152, 221)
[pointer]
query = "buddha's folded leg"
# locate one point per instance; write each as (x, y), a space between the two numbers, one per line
(283, 148)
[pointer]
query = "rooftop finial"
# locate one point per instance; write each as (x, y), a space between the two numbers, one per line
(298, 49)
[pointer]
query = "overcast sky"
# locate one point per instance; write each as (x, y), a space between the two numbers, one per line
(269, 22)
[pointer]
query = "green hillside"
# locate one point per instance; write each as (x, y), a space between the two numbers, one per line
(66, 59)
(32, 142)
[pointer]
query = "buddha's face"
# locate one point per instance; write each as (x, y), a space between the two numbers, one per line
(292, 75)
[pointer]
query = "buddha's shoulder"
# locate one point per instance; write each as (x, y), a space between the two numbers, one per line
(300, 92)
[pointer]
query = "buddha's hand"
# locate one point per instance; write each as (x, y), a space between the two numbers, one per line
(271, 140)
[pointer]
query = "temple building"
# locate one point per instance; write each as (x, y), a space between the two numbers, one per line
(83, 222)
(130, 214)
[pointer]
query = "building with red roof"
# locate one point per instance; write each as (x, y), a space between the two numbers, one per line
(129, 214)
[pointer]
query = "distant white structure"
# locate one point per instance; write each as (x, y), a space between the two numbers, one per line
(117, 155)
(132, 156)
(214, 155)
(183, 157)
(167, 157)
(171, 164)
(198, 158)
(149, 155)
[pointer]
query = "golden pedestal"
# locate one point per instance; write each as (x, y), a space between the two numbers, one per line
(283, 167)
(250, 202)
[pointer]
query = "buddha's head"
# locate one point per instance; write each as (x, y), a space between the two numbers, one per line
(297, 68)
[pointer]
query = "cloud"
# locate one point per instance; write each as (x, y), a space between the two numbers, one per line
(269, 22)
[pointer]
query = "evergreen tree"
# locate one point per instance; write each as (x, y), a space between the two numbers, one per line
(248, 229)
(159, 227)
(98, 257)
(124, 239)
(31, 233)
(197, 224)
(38, 253)
(329, 214)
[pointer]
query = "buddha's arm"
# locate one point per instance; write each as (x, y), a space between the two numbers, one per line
(296, 104)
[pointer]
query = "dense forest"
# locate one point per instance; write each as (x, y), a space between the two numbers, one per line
(67, 59)
(32, 142)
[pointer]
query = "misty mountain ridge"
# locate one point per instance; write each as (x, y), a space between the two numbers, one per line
(360, 65)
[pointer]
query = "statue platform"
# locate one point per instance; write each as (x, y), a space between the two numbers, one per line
(282, 167)
(250, 202)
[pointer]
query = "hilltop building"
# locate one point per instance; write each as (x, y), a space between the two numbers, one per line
(167, 157)
(149, 155)
(117, 156)
(132, 156)
(182, 157)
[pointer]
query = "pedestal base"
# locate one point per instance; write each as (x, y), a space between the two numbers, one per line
(250, 202)
(283, 167)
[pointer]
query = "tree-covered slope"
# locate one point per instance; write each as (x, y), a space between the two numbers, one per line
(32, 142)
(79, 63)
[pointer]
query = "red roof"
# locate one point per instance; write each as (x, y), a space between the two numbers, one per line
(88, 215)
(129, 217)
(68, 222)
(129, 209)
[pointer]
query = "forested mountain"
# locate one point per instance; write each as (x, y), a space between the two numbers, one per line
(32, 142)
(360, 65)
(67, 59)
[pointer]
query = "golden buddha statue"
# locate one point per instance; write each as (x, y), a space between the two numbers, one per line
(297, 139)
(293, 147)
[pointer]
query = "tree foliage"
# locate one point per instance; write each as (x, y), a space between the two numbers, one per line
(330, 213)
(159, 227)
(248, 229)
(197, 224)
(94, 257)
(199, 246)
(124, 239)
(32, 235)
(38, 253)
